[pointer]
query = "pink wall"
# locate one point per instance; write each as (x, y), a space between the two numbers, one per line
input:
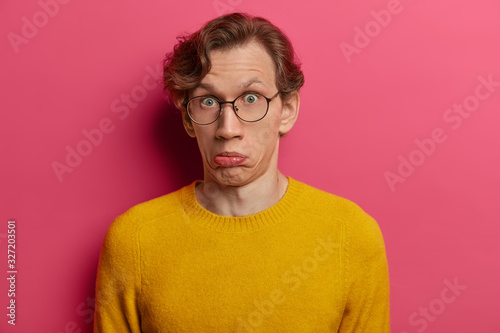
(380, 124)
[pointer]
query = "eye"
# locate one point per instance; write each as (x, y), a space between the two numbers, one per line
(250, 98)
(208, 102)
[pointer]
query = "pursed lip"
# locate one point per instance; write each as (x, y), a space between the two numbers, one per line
(230, 154)
(229, 159)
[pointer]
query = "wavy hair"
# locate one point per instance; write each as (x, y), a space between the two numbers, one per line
(187, 65)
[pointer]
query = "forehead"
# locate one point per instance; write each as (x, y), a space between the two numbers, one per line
(240, 67)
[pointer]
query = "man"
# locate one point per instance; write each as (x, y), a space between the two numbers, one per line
(247, 249)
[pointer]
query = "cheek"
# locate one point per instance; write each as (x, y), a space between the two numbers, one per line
(270, 132)
(264, 137)
(203, 139)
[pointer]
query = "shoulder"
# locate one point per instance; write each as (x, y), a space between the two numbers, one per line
(329, 205)
(362, 234)
(128, 224)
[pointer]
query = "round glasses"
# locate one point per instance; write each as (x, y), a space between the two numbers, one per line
(249, 107)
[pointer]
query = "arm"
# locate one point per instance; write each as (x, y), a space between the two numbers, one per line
(118, 280)
(367, 279)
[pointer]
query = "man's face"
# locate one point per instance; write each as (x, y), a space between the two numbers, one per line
(235, 152)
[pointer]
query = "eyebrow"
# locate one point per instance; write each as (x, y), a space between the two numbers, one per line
(243, 85)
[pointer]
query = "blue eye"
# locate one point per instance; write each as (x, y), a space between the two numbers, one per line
(250, 98)
(208, 102)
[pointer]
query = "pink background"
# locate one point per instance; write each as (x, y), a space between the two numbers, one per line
(361, 113)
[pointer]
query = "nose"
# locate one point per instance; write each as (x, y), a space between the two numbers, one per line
(229, 125)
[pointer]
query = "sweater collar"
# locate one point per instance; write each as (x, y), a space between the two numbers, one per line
(268, 217)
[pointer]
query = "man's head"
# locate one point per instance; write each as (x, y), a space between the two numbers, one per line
(190, 62)
(235, 57)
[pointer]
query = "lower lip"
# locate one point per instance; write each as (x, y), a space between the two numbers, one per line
(229, 161)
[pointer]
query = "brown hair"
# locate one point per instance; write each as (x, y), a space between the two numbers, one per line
(185, 67)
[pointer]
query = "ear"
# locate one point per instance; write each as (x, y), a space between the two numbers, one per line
(290, 112)
(186, 121)
(188, 124)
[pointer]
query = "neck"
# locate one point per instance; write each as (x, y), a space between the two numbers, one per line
(248, 199)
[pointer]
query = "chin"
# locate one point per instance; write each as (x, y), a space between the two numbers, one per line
(234, 176)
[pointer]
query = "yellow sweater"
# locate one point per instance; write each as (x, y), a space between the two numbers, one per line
(314, 262)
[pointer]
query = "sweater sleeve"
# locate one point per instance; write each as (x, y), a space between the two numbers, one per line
(367, 278)
(118, 280)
